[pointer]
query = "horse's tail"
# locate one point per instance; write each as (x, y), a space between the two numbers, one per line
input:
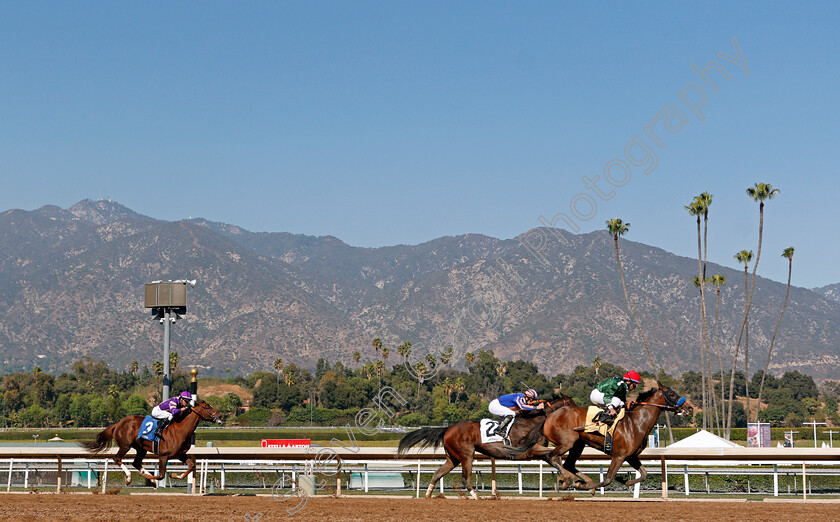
(533, 437)
(103, 440)
(426, 437)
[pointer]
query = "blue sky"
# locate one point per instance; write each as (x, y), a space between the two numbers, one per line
(383, 123)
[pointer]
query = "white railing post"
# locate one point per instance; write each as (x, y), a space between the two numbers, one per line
(9, 485)
(775, 480)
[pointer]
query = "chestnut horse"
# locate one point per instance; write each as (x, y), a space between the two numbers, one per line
(563, 427)
(461, 440)
(175, 440)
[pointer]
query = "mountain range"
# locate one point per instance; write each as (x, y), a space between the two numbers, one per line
(71, 285)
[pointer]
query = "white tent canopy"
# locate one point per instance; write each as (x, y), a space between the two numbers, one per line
(704, 439)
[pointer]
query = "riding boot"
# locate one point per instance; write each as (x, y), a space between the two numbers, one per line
(162, 424)
(502, 428)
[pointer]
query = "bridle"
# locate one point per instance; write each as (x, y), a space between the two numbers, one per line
(201, 413)
(670, 406)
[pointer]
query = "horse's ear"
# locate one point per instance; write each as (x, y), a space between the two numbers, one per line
(661, 386)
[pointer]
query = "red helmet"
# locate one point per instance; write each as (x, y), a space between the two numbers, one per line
(632, 376)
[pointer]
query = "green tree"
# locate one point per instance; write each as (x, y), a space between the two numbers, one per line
(157, 368)
(136, 405)
(174, 359)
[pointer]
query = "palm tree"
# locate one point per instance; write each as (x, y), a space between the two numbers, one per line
(446, 355)
(278, 367)
(174, 358)
(719, 280)
(157, 368)
(289, 376)
(420, 370)
(386, 352)
(379, 366)
(404, 349)
(617, 227)
(133, 367)
(357, 357)
(787, 254)
(458, 387)
(448, 386)
(698, 208)
(596, 364)
(744, 256)
(759, 192)
(469, 357)
(431, 360)
(377, 344)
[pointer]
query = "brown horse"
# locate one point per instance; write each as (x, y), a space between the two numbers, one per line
(461, 440)
(175, 440)
(563, 428)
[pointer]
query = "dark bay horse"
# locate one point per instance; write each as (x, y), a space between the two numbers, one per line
(175, 440)
(630, 438)
(461, 440)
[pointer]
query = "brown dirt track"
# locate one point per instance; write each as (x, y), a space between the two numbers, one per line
(155, 507)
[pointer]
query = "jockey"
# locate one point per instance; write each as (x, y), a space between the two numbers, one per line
(612, 393)
(167, 410)
(507, 405)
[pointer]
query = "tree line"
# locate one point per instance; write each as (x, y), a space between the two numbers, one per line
(92, 394)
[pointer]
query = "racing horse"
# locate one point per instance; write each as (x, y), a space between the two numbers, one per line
(461, 440)
(175, 440)
(564, 426)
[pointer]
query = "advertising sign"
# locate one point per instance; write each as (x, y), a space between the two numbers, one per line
(285, 443)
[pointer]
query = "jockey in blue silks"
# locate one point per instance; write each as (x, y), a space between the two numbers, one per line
(507, 405)
(168, 409)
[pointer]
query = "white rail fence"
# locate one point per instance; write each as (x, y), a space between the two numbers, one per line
(27, 467)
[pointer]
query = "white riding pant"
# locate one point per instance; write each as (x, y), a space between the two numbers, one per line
(161, 414)
(496, 408)
(597, 398)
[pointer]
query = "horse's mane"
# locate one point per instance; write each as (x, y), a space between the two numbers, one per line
(647, 394)
(529, 414)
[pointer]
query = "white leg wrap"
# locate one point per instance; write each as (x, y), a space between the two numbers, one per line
(125, 470)
(143, 470)
(474, 494)
(430, 489)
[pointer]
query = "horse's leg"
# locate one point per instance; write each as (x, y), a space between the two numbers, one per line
(162, 465)
(190, 462)
(118, 460)
(572, 473)
(614, 465)
(448, 466)
(466, 477)
(634, 461)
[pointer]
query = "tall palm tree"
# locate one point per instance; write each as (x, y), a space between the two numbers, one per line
(719, 280)
(157, 368)
(278, 367)
(420, 370)
(759, 192)
(357, 357)
(377, 344)
(447, 386)
(596, 365)
(744, 256)
(617, 227)
(698, 208)
(787, 254)
(386, 352)
(705, 200)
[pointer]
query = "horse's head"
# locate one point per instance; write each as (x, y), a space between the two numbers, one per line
(206, 412)
(674, 400)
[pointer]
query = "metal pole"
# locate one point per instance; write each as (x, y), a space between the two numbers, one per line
(105, 476)
(541, 466)
(418, 479)
(9, 485)
(166, 381)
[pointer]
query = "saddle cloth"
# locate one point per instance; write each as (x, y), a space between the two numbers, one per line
(487, 426)
(147, 428)
(592, 427)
